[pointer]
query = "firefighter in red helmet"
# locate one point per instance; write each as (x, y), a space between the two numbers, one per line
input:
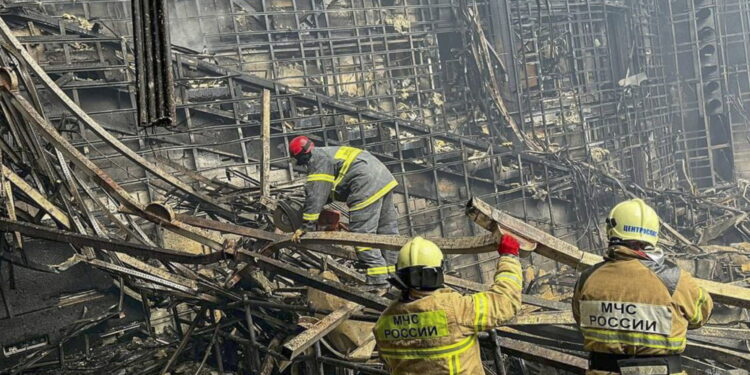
(357, 177)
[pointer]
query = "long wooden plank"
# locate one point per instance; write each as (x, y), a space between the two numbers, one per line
(554, 248)
(36, 196)
(265, 136)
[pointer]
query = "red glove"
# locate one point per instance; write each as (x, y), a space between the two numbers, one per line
(508, 245)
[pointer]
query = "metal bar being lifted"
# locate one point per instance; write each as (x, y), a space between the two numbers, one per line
(554, 248)
(455, 245)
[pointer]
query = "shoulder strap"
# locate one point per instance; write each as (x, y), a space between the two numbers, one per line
(667, 272)
(586, 274)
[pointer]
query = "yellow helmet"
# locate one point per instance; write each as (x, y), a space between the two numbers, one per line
(419, 266)
(633, 220)
(419, 252)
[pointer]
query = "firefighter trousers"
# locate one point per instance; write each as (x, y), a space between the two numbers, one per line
(380, 217)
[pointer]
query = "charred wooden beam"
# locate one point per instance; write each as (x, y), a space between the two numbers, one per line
(297, 345)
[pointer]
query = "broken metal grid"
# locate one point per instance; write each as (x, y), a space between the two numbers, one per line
(232, 116)
(219, 114)
(704, 146)
(569, 63)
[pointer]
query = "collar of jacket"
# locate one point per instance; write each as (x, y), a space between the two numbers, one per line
(620, 252)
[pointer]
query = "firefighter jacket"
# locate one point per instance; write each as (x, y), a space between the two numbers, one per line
(346, 174)
(632, 304)
(437, 333)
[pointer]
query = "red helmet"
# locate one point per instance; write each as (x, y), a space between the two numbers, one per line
(301, 145)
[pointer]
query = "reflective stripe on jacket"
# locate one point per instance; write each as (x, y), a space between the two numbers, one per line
(437, 334)
(629, 304)
(351, 174)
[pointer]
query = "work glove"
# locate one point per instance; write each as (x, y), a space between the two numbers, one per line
(301, 232)
(508, 245)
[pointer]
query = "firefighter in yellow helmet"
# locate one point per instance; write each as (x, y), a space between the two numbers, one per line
(433, 331)
(634, 309)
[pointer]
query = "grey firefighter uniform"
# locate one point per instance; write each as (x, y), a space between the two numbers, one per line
(360, 179)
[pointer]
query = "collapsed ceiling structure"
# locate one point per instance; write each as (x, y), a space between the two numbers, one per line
(140, 238)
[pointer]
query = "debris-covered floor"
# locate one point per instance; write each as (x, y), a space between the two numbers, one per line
(144, 238)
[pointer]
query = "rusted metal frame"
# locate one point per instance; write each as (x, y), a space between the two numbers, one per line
(138, 236)
(219, 185)
(297, 345)
(76, 239)
(66, 174)
(133, 262)
(70, 220)
(314, 281)
(140, 275)
(25, 137)
(92, 125)
(551, 247)
(51, 135)
(217, 346)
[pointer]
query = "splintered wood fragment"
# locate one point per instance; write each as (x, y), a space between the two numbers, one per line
(310, 336)
(36, 196)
